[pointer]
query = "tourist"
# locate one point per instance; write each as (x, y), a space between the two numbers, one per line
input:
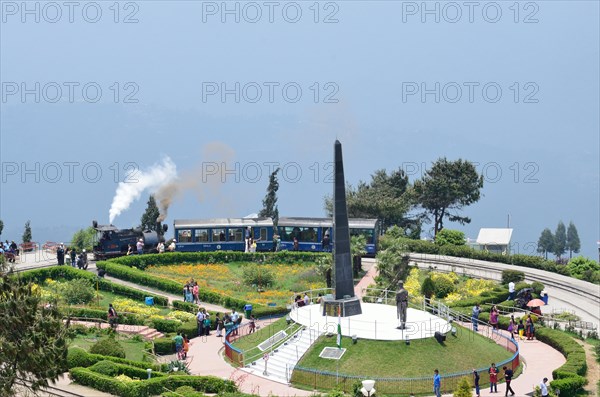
(178, 339)
(206, 324)
(325, 243)
(437, 380)
(252, 326)
(73, 257)
(247, 239)
(130, 249)
(529, 327)
(196, 293)
(544, 388)
(112, 316)
(521, 329)
(512, 327)
(219, 324)
(160, 247)
(296, 244)
(60, 254)
(228, 324)
(475, 317)
(140, 247)
(172, 246)
(476, 382)
(235, 319)
(511, 291)
(320, 298)
(494, 317)
(493, 371)
(508, 374)
(186, 346)
(306, 299)
(200, 321)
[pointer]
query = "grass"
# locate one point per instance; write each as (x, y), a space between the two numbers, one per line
(247, 342)
(134, 350)
(227, 280)
(370, 358)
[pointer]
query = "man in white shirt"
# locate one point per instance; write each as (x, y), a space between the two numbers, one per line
(511, 291)
(172, 246)
(200, 320)
(306, 299)
(235, 317)
(544, 388)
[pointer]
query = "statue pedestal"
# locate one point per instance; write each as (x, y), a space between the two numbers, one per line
(344, 307)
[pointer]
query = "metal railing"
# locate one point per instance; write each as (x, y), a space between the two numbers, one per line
(319, 380)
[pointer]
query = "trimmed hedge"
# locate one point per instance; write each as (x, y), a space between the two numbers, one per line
(165, 326)
(150, 387)
(512, 275)
(143, 261)
(496, 295)
(124, 318)
(427, 247)
(70, 273)
(78, 357)
(164, 346)
(570, 377)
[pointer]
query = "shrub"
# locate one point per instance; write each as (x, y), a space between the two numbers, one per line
(164, 346)
(512, 275)
(537, 287)
(105, 367)
(463, 388)
(77, 357)
(190, 328)
(165, 326)
(443, 286)
(108, 347)
(450, 237)
(257, 275)
(77, 291)
(428, 287)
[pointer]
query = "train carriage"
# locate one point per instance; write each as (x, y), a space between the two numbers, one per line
(225, 234)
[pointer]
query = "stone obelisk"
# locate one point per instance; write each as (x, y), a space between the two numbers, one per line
(345, 303)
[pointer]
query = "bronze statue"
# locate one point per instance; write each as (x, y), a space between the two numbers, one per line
(401, 305)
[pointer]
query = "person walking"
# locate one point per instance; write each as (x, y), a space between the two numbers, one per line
(73, 257)
(112, 316)
(200, 321)
(475, 317)
(508, 374)
(60, 254)
(493, 371)
(544, 388)
(494, 317)
(511, 291)
(476, 382)
(437, 382)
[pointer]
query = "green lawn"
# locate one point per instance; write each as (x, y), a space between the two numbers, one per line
(369, 358)
(134, 350)
(247, 342)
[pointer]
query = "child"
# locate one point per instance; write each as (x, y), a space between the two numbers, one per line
(207, 325)
(186, 346)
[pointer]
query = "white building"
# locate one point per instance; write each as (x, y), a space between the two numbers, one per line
(494, 240)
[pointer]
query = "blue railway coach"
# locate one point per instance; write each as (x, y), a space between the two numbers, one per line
(228, 234)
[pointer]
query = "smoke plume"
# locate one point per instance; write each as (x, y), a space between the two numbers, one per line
(152, 179)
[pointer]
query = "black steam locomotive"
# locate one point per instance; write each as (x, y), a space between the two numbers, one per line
(111, 241)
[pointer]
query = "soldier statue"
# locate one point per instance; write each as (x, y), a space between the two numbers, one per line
(401, 305)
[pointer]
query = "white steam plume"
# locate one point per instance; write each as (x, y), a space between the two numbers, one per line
(151, 179)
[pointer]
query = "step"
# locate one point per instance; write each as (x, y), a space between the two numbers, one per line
(147, 331)
(154, 335)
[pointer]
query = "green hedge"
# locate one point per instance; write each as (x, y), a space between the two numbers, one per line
(512, 275)
(150, 387)
(427, 247)
(570, 377)
(110, 368)
(289, 257)
(165, 326)
(77, 357)
(69, 273)
(164, 346)
(496, 295)
(124, 318)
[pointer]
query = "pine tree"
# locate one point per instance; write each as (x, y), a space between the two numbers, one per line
(34, 346)
(545, 242)
(573, 243)
(560, 240)
(1, 227)
(27, 237)
(270, 201)
(151, 215)
(463, 389)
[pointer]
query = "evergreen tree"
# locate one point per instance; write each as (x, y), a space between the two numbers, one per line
(1, 227)
(573, 243)
(149, 219)
(428, 288)
(463, 389)
(560, 240)
(270, 209)
(446, 188)
(545, 242)
(27, 237)
(34, 346)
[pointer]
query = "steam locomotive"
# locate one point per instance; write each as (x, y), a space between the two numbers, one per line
(111, 241)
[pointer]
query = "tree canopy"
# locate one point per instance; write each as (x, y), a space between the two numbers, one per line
(270, 209)
(150, 217)
(1, 227)
(386, 197)
(446, 188)
(27, 237)
(545, 242)
(34, 345)
(573, 243)
(450, 237)
(560, 240)
(83, 239)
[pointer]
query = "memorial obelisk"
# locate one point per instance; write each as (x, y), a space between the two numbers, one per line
(345, 303)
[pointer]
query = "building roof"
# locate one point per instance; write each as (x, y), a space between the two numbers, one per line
(493, 236)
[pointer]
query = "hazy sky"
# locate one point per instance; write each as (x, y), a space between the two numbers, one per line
(93, 92)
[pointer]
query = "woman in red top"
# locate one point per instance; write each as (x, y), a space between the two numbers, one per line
(493, 371)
